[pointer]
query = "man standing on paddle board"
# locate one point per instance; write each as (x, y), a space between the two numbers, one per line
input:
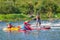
(38, 21)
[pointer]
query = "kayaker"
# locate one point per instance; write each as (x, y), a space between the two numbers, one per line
(38, 21)
(27, 25)
(10, 25)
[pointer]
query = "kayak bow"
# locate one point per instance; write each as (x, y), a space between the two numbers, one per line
(11, 29)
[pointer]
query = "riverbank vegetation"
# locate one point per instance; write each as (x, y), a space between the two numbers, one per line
(13, 10)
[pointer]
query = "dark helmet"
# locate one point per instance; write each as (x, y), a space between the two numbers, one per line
(9, 23)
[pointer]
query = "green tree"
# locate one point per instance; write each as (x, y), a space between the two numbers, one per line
(49, 7)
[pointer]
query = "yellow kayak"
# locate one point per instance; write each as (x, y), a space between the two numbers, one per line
(11, 29)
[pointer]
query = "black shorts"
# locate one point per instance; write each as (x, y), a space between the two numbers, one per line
(39, 21)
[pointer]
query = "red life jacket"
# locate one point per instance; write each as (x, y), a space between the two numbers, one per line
(27, 25)
(9, 26)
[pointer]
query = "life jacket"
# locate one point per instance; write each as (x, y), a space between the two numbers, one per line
(9, 26)
(27, 26)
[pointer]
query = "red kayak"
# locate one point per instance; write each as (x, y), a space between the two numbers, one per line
(42, 28)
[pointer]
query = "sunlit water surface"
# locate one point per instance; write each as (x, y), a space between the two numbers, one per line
(52, 34)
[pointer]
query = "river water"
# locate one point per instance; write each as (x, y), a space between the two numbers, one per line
(52, 34)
